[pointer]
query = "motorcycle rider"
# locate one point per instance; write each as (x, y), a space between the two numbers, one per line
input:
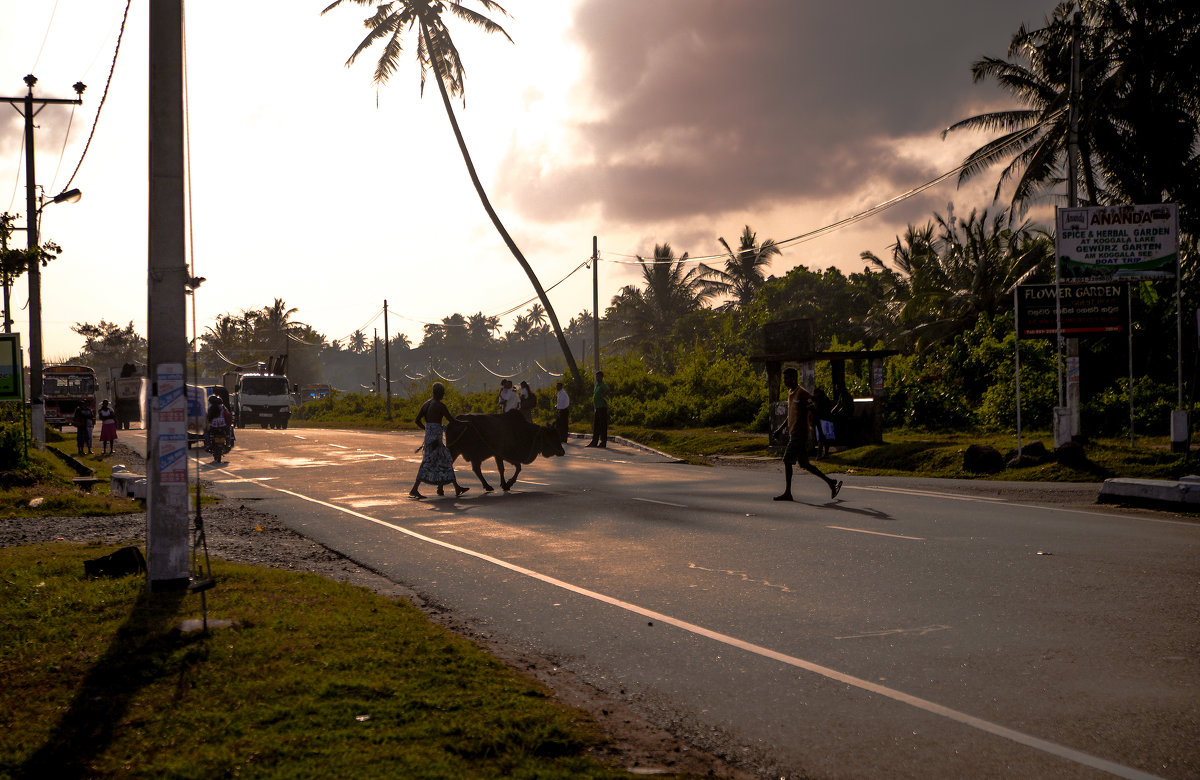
(217, 409)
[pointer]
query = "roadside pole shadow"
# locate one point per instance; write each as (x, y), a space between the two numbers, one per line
(132, 660)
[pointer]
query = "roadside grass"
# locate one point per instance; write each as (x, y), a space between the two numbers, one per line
(314, 679)
(49, 478)
(911, 453)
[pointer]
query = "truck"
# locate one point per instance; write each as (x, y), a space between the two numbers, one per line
(261, 398)
(128, 388)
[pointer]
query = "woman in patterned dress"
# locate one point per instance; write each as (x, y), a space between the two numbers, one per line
(437, 466)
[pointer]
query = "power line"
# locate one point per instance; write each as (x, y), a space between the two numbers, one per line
(45, 37)
(860, 216)
(103, 97)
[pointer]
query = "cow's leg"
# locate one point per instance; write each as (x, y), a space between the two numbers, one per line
(500, 468)
(513, 481)
(475, 467)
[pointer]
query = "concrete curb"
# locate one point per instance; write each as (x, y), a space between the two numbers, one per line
(1181, 494)
(631, 444)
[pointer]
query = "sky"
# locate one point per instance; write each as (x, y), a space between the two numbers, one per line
(637, 122)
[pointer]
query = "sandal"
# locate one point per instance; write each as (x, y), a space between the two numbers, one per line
(458, 491)
(414, 494)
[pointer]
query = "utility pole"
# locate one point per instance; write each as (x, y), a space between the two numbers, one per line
(1073, 367)
(387, 361)
(596, 301)
(375, 352)
(37, 409)
(166, 458)
(5, 222)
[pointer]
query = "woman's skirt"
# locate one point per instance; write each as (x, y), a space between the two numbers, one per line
(108, 430)
(437, 467)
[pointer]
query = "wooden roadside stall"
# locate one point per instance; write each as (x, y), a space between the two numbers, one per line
(791, 343)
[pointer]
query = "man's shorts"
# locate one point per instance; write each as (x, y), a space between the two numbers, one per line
(797, 451)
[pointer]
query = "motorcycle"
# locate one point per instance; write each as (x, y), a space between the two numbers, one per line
(219, 439)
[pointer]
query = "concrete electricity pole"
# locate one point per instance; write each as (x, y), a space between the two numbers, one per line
(166, 457)
(37, 409)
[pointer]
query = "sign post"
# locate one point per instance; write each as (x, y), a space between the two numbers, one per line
(1126, 243)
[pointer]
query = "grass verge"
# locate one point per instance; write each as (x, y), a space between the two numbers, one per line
(314, 679)
(927, 454)
(48, 478)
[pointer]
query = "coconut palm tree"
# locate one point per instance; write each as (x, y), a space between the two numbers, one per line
(436, 52)
(743, 273)
(671, 291)
(357, 342)
(1139, 112)
(947, 274)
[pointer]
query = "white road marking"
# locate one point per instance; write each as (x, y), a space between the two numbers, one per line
(922, 631)
(929, 493)
(299, 437)
(995, 729)
(531, 482)
(876, 533)
(381, 455)
(244, 479)
(340, 446)
(664, 503)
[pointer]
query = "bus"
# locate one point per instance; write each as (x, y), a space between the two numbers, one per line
(65, 389)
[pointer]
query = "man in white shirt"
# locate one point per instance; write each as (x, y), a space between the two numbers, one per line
(563, 403)
(508, 396)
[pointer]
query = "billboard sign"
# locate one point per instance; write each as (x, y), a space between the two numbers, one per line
(1087, 310)
(12, 373)
(1117, 242)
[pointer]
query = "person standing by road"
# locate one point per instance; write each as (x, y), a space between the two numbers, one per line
(562, 404)
(83, 419)
(798, 405)
(508, 398)
(526, 401)
(108, 428)
(437, 465)
(600, 418)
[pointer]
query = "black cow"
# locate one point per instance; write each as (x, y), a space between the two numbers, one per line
(505, 437)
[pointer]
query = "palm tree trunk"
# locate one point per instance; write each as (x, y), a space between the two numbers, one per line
(487, 206)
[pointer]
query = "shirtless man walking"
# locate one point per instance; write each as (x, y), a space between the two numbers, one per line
(799, 402)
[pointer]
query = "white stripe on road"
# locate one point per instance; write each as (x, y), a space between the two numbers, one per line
(995, 729)
(340, 446)
(928, 493)
(876, 533)
(664, 503)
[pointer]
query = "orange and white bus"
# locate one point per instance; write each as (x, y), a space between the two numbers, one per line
(66, 388)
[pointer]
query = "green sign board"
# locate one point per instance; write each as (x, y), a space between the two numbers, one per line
(12, 374)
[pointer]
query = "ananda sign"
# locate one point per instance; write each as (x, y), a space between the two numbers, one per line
(1118, 242)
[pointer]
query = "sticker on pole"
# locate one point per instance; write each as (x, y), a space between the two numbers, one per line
(1117, 242)
(170, 425)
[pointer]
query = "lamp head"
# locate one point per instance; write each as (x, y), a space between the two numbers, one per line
(67, 196)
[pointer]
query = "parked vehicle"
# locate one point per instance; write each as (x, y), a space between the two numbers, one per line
(129, 394)
(65, 388)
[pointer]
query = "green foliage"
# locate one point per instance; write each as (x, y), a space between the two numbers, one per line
(1108, 412)
(704, 390)
(12, 448)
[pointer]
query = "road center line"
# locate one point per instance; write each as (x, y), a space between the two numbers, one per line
(876, 533)
(664, 503)
(995, 729)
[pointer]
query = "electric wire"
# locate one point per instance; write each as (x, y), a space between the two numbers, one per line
(46, 37)
(860, 216)
(103, 97)
(63, 152)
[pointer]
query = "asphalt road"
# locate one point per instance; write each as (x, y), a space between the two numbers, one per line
(908, 629)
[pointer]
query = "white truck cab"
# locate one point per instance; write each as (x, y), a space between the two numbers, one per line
(265, 399)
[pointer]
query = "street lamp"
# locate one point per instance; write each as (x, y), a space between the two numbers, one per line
(37, 409)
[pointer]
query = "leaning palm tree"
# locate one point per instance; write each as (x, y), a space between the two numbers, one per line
(743, 273)
(392, 20)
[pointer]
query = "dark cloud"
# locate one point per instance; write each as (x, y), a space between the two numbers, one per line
(715, 105)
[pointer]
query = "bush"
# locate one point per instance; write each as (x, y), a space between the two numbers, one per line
(1107, 414)
(12, 448)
